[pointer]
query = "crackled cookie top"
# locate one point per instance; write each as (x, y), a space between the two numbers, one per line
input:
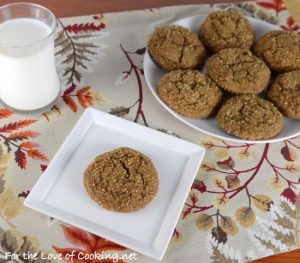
(226, 29)
(122, 180)
(249, 117)
(280, 50)
(189, 93)
(175, 47)
(238, 71)
(285, 94)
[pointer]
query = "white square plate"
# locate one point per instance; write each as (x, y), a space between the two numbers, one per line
(60, 192)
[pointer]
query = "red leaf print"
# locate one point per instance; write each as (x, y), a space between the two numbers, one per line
(4, 113)
(186, 212)
(70, 102)
(23, 134)
(226, 164)
(199, 185)
(69, 90)
(78, 28)
(79, 237)
(43, 167)
(276, 5)
(16, 125)
(29, 145)
(288, 154)
(289, 194)
(290, 25)
(35, 154)
(20, 158)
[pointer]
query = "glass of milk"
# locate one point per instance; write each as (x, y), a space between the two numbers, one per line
(28, 78)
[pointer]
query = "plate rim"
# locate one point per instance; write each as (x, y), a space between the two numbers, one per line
(186, 122)
(36, 199)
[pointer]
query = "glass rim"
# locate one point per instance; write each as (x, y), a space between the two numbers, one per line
(38, 41)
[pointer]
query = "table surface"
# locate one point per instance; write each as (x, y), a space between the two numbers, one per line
(69, 8)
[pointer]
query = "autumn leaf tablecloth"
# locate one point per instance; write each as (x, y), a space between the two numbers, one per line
(244, 202)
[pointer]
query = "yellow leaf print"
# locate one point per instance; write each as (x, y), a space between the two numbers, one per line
(6, 197)
(246, 156)
(5, 159)
(262, 202)
(221, 154)
(228, 225)
(204, 222)
(209, 142)
(275, 183)
(245, 216)
(14, 209)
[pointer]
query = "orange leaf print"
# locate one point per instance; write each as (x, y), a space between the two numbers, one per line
(35, 154)
(89, 244)
(80, 238)
(70, 102)
(29, 145)
(106, 245)
(16, 125)
(4, 113)
(84, 97)
(83, 90)
(23, 134)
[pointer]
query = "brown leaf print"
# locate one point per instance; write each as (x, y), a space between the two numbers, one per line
(120, 111)
(218, 233)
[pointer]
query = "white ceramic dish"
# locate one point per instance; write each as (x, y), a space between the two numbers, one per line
(210, 126)
(60, 192)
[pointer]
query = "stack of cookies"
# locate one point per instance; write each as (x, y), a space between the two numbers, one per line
(248, 86)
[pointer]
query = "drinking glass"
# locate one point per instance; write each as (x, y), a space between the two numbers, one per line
(28, 78)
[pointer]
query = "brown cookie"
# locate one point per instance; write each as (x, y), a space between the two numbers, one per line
(238, 71)
(122, 180)
(280, 50)
(249, 117)
(189, 93)
(226, 29)
(175, 47)
(285, 94)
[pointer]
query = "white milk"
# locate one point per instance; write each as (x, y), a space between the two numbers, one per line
(28, 78)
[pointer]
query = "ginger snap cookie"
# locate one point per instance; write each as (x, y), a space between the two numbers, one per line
(238, 71)
(280, 50)
(189, 93)
(122, 180)
(250, 117)
(175, 47)
(284, 92)
(226, 29)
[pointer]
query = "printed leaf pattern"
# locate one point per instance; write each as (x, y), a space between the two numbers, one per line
(262, 202)
(204, 222)
(85, 97)
(19, 141)
(86, 243)
(14, 242)
(245, 216)
(77, 53)
(276, 5)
